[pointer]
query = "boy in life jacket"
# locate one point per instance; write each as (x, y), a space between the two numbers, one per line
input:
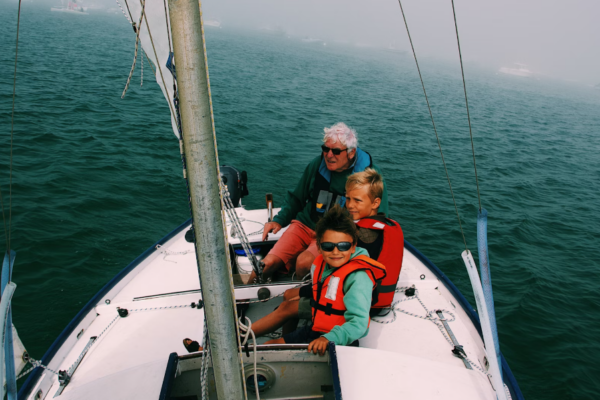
(344, 282)
(380, 236)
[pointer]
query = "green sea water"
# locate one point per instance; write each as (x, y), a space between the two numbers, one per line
(96, 179)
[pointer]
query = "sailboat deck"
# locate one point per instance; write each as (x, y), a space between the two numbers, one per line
(400, 356)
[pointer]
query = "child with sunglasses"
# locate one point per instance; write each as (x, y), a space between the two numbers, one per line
(344, 287)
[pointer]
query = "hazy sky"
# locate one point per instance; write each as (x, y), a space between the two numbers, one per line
(557, 38)
(560, 39)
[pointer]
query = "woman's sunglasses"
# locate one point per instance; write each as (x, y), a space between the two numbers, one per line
(342, 246)
(336, 152)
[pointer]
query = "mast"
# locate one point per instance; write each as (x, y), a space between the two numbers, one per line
(201, 163)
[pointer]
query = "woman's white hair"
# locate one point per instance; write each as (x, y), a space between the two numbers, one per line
(342, 132)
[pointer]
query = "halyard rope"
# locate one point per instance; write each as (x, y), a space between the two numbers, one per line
(433, 123)
(130, 20)
(137, 44)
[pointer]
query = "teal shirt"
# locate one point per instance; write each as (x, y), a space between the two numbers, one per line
(358, 292)
(297, 204)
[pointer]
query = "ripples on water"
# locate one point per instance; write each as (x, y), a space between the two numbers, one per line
(97, 179)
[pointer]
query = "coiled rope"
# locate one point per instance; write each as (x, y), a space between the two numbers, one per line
(246, 332)
(205, 358)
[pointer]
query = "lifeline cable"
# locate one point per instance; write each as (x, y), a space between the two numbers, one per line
(462, 70)
(433, 123)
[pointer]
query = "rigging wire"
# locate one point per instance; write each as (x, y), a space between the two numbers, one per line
(462, 70)
(7, 230)
(130, 16)
(168, 28)
(433, 123)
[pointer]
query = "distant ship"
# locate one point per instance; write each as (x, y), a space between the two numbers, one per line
(276, 30)
(212, 22)
(71, 7)
(517, 70)
(392, 48)
(312, 40)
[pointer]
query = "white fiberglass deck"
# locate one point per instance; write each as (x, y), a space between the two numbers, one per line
(407, 358)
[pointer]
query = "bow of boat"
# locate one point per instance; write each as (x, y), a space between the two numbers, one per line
(128, 331)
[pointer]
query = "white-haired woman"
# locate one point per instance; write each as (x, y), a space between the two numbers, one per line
(321, 186)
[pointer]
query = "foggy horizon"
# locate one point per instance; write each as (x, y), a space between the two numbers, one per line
(553, 39)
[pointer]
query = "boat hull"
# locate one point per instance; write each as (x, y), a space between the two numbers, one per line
(169, 250)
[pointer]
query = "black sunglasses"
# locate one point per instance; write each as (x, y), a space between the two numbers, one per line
(342, 246)
(336, 152)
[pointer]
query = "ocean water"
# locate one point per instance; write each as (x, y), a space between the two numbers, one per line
(97, 179)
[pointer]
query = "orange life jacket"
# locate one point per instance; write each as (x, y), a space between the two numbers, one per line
(391, 256)
(328, 296)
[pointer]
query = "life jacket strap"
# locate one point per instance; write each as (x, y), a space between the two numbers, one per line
(386, 288)
(327, 309)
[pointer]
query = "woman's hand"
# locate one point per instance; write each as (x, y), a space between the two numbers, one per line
(318, 345)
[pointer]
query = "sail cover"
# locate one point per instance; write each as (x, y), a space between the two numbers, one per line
(155, 40)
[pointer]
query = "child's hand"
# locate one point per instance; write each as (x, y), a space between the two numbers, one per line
(318, 345)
